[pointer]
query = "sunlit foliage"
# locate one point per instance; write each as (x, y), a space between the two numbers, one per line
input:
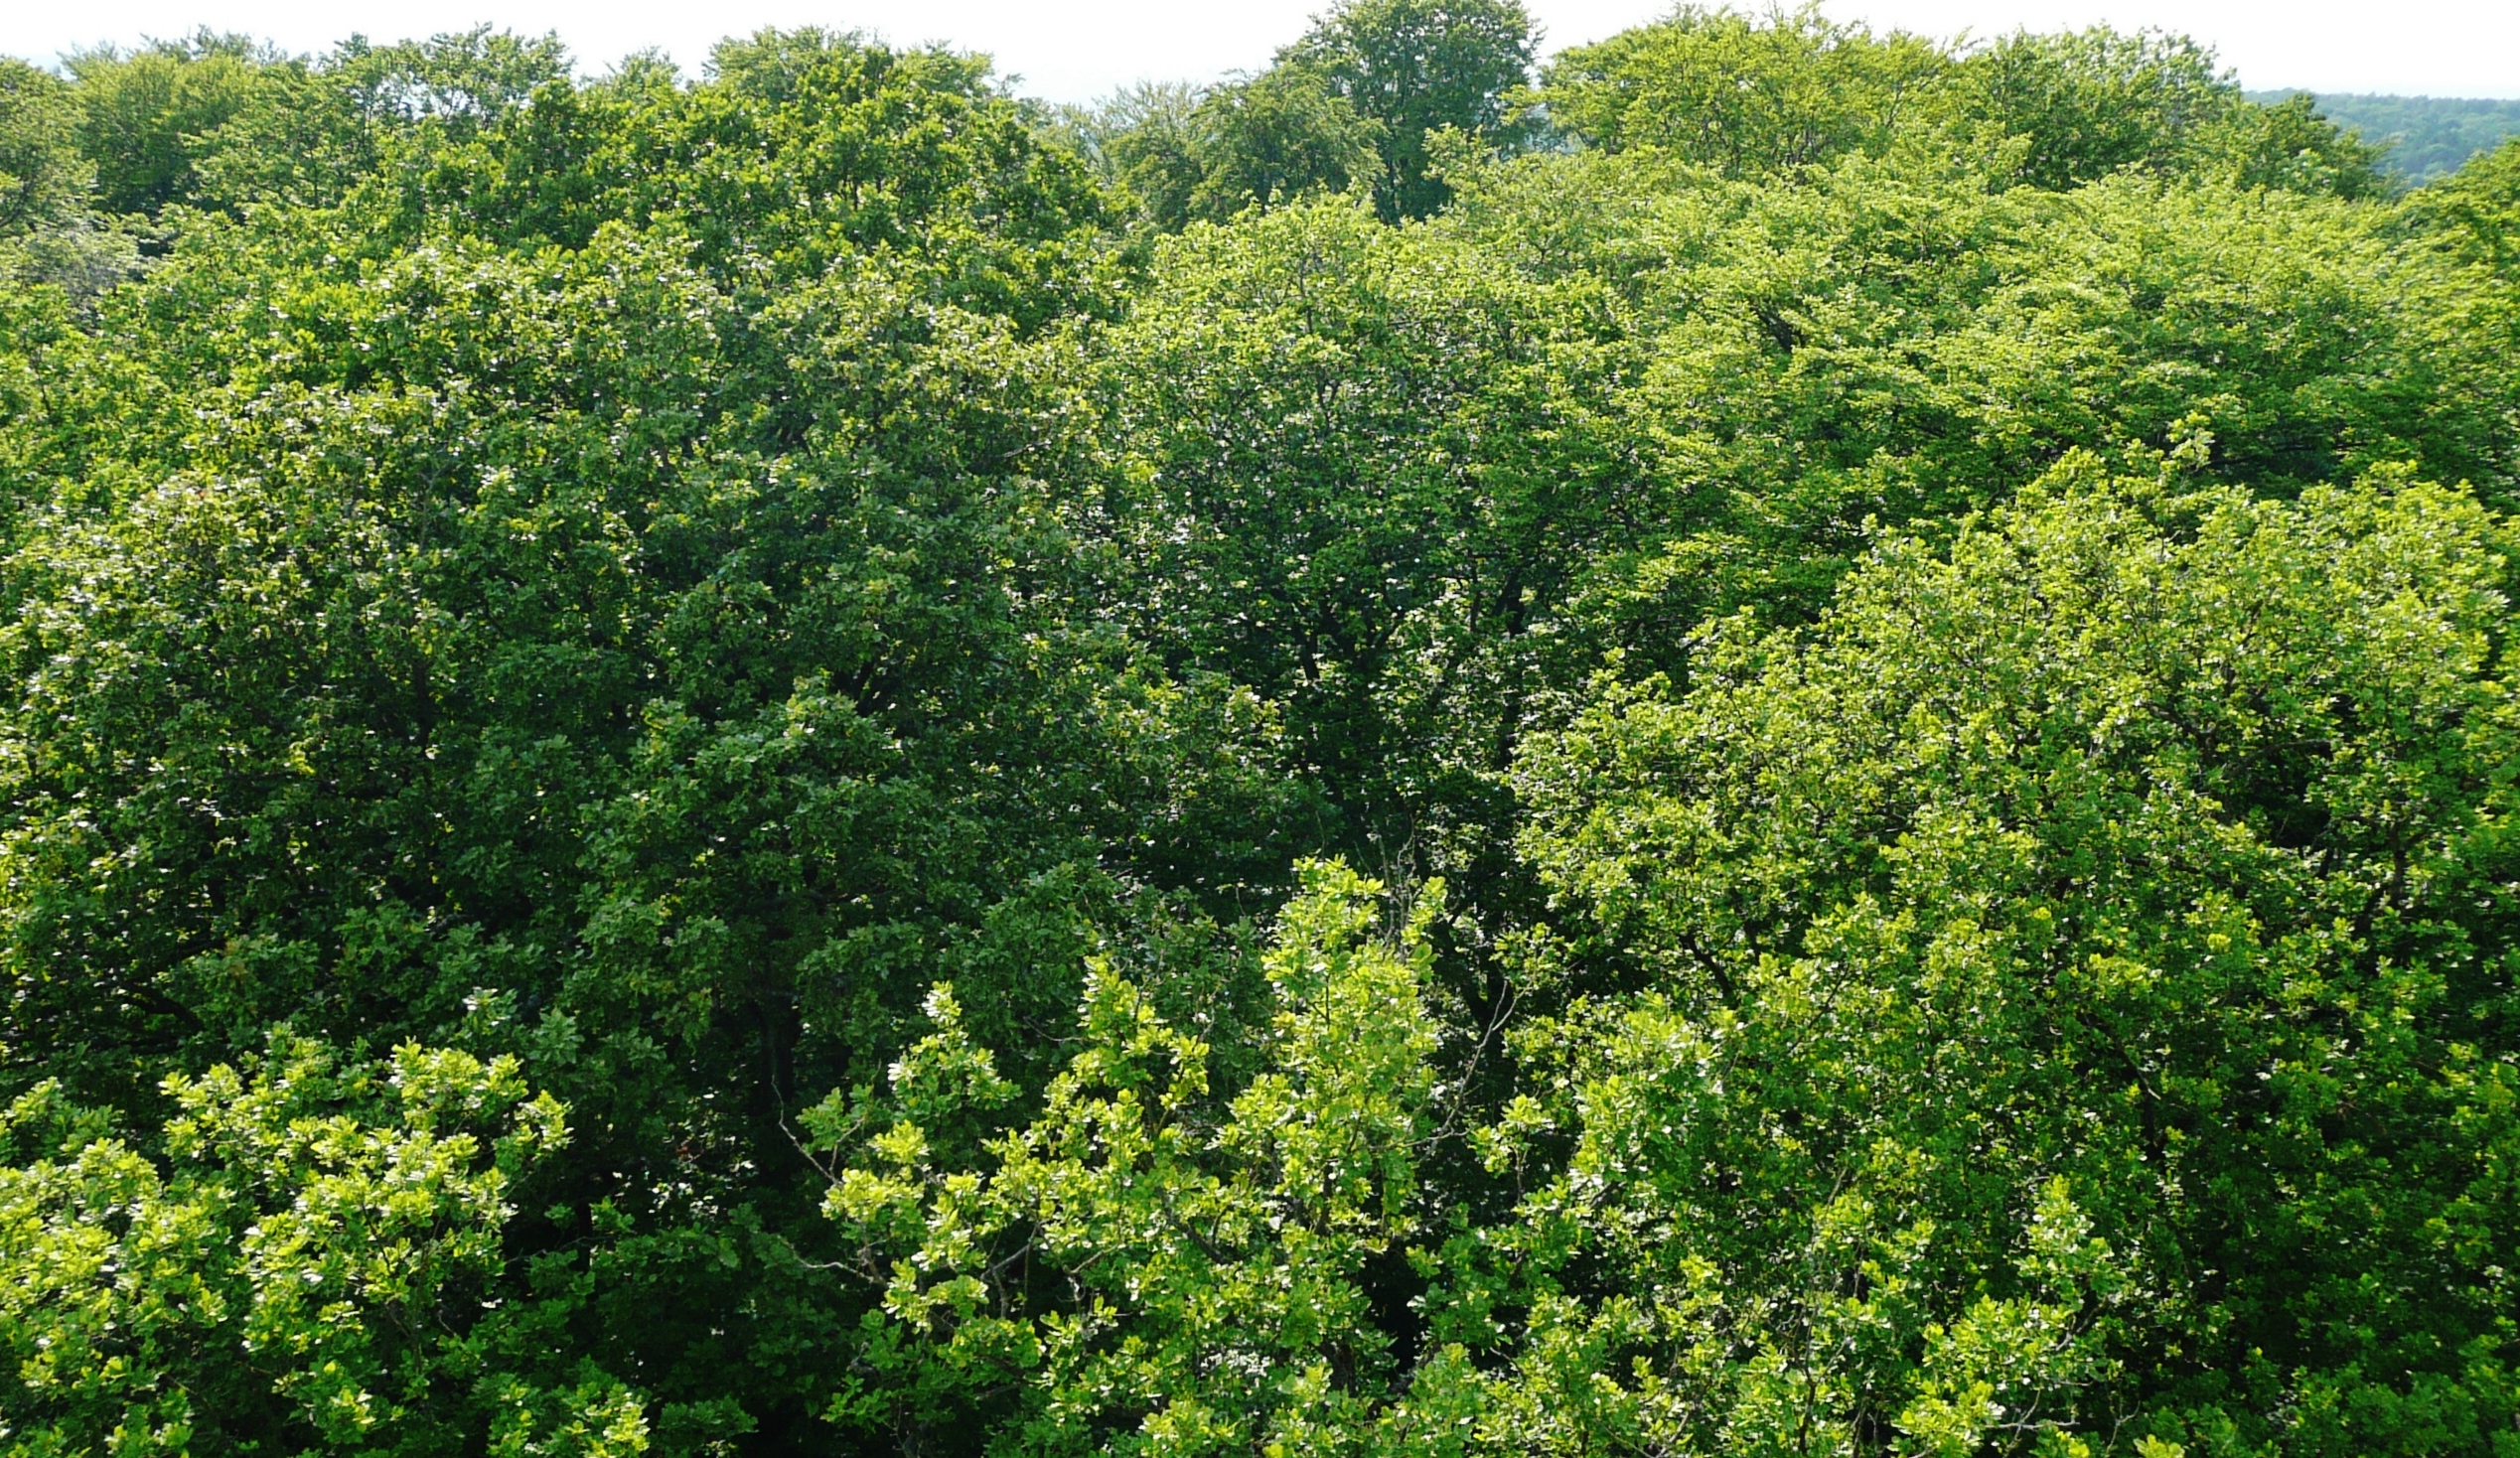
(1788, 740)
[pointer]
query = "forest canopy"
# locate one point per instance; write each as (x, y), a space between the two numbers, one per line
(1770, 739)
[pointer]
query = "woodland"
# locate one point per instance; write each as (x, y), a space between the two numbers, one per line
(1774, 739)
(2422, 138)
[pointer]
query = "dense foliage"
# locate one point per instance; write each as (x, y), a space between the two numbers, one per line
(1778, 741)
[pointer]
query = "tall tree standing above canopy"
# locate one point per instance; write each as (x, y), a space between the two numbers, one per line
(1418, 67)
(2099, 100)
(41, 175)
(1742, 95)
(145, 114)
(49, 231)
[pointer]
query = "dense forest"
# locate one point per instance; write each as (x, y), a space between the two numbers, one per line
(1773, 740)
(2422, 138)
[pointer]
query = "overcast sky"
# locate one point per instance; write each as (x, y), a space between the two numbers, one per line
(1078, 50)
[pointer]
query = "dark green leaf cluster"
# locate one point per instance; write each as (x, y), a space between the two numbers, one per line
(1786, 741)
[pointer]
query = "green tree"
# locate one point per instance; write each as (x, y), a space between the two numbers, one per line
(48, 233)
(564, 594)
(1358, 466)
(1742, 95)
(42, 178)
(1274, 138)
(311, 130)
(1185, 154)
(2090, 103)
(2289, 145)
(1146, 139)
(633, 582)
(1156, 1262)
(146, 117)
(2133, 852)
(2475, 213)
(305, 1264)
(1414, 68)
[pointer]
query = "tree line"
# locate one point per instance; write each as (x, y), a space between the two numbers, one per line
(1774, 739)
(2422, 139)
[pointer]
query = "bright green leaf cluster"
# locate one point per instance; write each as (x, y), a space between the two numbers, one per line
(1154, 1258)
(304, 1271)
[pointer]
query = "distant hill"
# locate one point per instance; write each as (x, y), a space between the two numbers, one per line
(2427, 137)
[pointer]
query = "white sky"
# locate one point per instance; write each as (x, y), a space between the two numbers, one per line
(1080, 50)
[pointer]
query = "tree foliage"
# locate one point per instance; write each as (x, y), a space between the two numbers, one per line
(306, 1268)
(1789, 740)
(41, 175)
(1416, 67)
(1742, 96)
(2123, 870)
(1154, 1260)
